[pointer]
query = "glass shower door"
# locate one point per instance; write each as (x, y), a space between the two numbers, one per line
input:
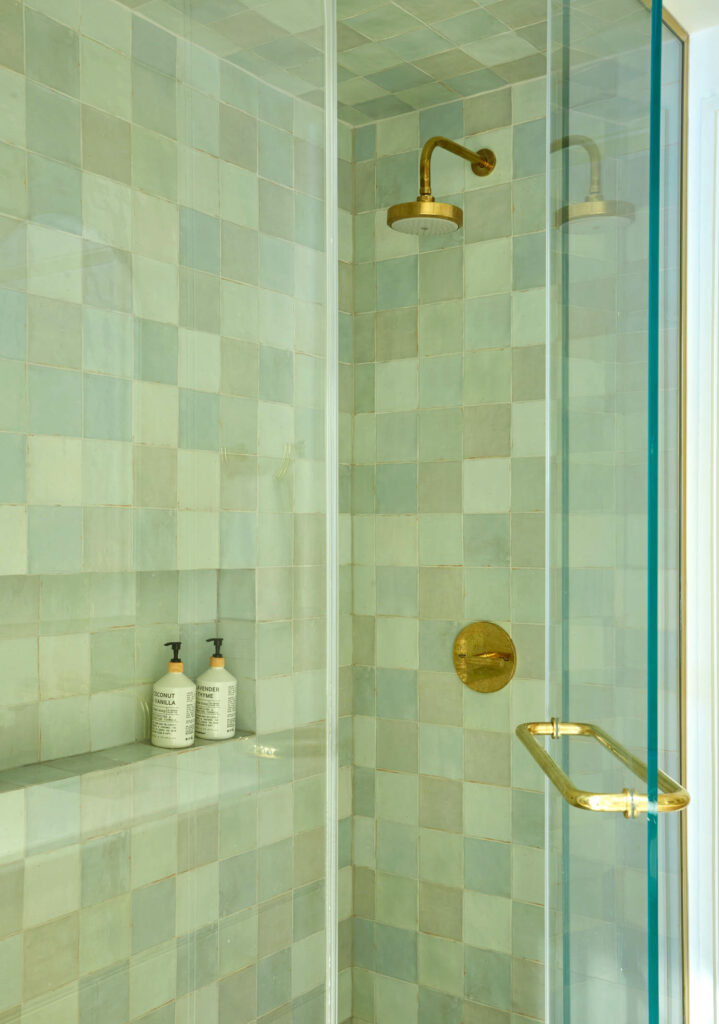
(612, 729)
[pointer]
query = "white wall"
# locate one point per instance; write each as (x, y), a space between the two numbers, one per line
(702, 448)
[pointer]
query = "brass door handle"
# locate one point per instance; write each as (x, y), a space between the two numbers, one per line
(673, 796)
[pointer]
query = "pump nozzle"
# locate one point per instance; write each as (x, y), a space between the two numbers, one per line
(175, 659)
(217, 641)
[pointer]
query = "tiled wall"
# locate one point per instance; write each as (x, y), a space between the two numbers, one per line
(162, 440)
(447, 499)
(158, 888)
(161, 378)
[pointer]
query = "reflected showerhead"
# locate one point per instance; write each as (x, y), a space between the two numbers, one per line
(592, 208)
(425, 217)
(595, 206)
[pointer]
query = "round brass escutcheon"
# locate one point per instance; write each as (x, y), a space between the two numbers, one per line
(485, 658)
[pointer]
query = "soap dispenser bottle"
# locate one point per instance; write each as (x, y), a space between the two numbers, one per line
(216, 698)
(173, 705)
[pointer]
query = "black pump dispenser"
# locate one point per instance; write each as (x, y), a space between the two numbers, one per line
(175, 645)
(217, 641)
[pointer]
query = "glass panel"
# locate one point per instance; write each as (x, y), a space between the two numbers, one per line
(598, 623)
(162, 418)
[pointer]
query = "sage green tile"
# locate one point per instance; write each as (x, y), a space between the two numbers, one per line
(199, 241)
(275, 154)
(12, 459)
(154, 47)
(199, 424)
(153, 914)
(440, 799)
(154, 163)
(440, 486)
(441, 275)
(397, 488)
(238, 137)
(154, 100)
(441, 592)
(12, 47)
(441, 327)
(105, 868)
(440, 434)
(529, 258)
(64, 727)
(107, 408)
(52, 53)
(107, 277)
(397, 745)
(396, 694)
(105, 995)
(527, 987)
(436, 1006)
(12, 168)
(489, 111)
(276, 380)
(276, 264)
(107, 539)
(55, 539)
(50, 956)
(440, 910)
(396, 334)
(11, 887)
(396, 436)
(55, 405)
(487, 758)
(486, 540)
(396, 282)
(13, 313)
(440, 381)
(528, 931)
(488, 213)
(488, 977)
(528, 818)
(487, 430)
(155, 539)
(54, 333)
(397, 848)
(156, 351)
(53, 124)
(106, 145)
(528, 373)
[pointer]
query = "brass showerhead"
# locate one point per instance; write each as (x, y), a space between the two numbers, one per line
(426, 216)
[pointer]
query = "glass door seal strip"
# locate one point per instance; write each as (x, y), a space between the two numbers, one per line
(673, 796)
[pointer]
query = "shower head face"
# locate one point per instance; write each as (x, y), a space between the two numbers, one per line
(587, 215)
(425, 217)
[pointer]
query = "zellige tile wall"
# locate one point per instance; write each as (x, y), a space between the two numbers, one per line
(162, 440)
(447, 499)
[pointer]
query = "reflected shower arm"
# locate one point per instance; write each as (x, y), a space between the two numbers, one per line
(483, 162)
(595, 160)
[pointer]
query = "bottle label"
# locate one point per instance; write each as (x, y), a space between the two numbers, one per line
(173, 717)
(216, 710)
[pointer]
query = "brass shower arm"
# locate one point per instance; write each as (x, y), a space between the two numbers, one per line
(483, 162)
(595, 160)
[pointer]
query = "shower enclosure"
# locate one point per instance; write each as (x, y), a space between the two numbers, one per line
(253, 385)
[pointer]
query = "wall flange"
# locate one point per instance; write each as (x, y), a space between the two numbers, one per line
(485, 657)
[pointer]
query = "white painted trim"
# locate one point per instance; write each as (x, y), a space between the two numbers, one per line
(702, 510)
(331, 513)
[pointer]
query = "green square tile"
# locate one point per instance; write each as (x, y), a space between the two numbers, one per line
(155, 539)
(54, 471)
(440, 487)
(487, 977)
(440, 381)
(441, 275)
(12, 36)
(238, 138)
(440, 540)
(13, 317)
(526, 139)
(441, 327)
(156, 351)
(486, 431)
(12, 168)
(397, 694)
(240, 253)
(153, 914)
(154, 163)
(487, 322)
(396, 436)
(397, 848)
(108, 408)
(55, 401)
(106, 145)
(198, 420)
(397, 284)
(396, 334)
(486, 540)
(154, 100)
(396, 952)
(487, 758)
(276, 264)
(440, 434)
(199, 241)
(154, 47)
(107, 540)
(53, 124)
(12, 459)
(107, 277)
(54, 332)
(529, 258)
(489, 111)
(397, 488)
(276, 370)
(55, 539)
(441, 592)
(52, 53)
(275, 154)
